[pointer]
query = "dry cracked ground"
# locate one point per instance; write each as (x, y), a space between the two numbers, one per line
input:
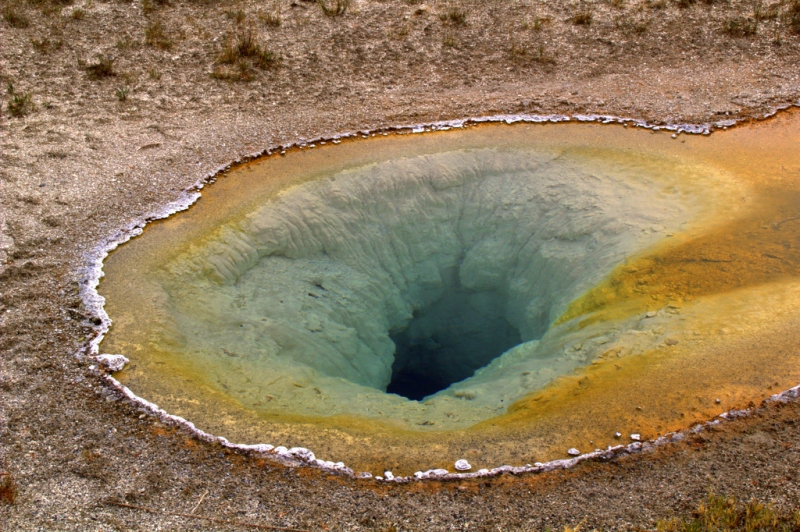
(111, 108)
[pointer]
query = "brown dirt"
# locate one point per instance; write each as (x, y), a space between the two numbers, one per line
(84, 163)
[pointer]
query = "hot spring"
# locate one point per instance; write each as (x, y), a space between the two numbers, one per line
(497, 293)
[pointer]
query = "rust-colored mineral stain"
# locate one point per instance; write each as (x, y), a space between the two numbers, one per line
(721, 301)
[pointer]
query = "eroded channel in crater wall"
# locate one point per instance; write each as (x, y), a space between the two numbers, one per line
(477, 271)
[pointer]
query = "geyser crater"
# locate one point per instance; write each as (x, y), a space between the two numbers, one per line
(504, 285)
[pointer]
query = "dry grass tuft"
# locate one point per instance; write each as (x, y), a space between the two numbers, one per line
(47, 45)
(8, 488)
(334, 8)
(240, 54)
(236, 15)
(14, 17)
(156, 35)
(272, 16)
(103, 68)
(454, 15)
(149, 6)
(792, 16)
(740, 27)
(583, 16)
(19, 104)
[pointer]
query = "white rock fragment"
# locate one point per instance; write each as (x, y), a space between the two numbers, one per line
(574, 452)
(388, 475)
(112, 362)
(617, 434)
(463, 465)
(636, 437)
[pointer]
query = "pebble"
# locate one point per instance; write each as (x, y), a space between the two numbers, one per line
(617, 434)
(574, 452)
(388, 475)
(651, 314)
(717, 401)
(636, 437)
(463, 465)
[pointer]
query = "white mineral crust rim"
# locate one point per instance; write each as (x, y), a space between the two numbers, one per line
(299, 456)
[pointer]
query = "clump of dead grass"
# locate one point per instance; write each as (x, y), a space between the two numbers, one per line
(155, 34)
(103, 68)
(271, 16)
(149, 6)
(8, 488)
(240, 54)
(14, 16)
(583, 16)
(334, 8)
(19, 104)
(792, 16)
(236, 15)
(46, 45)
(454, 15)
(740, 27)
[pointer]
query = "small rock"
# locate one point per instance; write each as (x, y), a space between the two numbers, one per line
(388, 475)
(636, 437)
(651, 314)
(574, 452)
(112, 362)
(617, 434)
(718, 401)
(674, 136)
(670, 342)
(463, 465)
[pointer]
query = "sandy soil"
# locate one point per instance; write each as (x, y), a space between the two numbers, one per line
(84, 162)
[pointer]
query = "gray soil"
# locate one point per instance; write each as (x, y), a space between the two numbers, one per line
(84, 162)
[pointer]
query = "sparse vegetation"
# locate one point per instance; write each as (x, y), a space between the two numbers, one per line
(78, 14)
(149, 6)
(334, 8)
(156, 35)
(19, 104)
(792, 16)
(46, 45)
(8, 488)
(122, 93)
(449, 38)
(740, 27)
(522, 53)
(454, 15)
(240, 54)
(153, 73)
(125, 43)
(271, 17)
(103, 68)
(236, 15)
(583, 18)
(14, 17)
(537, 23)
(725, 514)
